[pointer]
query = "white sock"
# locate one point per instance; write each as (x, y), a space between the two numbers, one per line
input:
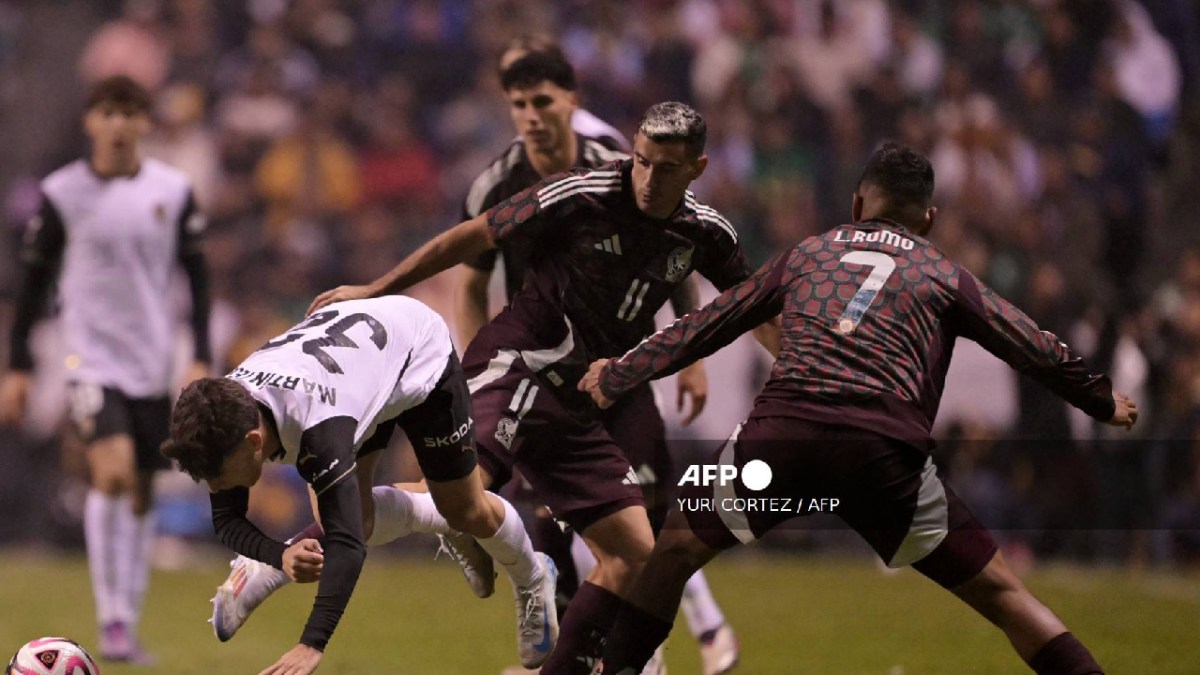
(124, 543)
(99, 516)
(510, 546)
(582, 556)
(142, 547)
(699, 607)
(399, 513)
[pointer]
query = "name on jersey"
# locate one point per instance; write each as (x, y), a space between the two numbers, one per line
(262, 378)
(878, 236)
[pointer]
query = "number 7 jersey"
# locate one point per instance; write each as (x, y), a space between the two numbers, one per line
(368, 360)
(870, 314)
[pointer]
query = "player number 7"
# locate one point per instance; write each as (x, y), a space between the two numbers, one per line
(882, 266)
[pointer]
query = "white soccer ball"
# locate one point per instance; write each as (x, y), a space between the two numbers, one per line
(52, 656)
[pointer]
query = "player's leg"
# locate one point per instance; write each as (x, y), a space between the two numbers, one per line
(101, 419)
(636, 425)
(968, 563)
(442, 433)
(644, 621)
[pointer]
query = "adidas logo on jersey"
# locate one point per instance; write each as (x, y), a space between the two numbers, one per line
(611, 245)
(631, 478)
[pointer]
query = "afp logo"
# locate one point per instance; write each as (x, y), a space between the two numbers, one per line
(755, 475)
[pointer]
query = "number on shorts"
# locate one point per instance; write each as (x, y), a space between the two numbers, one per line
(335, 336)
(882, 266)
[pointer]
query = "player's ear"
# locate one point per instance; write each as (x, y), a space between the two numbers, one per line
(930, 216)
(698, 167)
(255, 439)
(856, 207)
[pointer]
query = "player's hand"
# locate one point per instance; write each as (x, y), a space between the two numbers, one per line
(591, 383)
(1125, 413)
(303, 560)
(198, 370)
(340, 294)
(14, 391)
(692, 381)
(300, 660)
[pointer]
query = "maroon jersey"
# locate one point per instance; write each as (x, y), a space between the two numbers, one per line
(599, 268)
(506, 176)
(870, 315)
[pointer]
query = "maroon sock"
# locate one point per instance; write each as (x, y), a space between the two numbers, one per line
(313, 531)
(633, 639)
(1064, 655)
(589, 617)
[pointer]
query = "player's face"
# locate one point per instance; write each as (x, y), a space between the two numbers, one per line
(242, 468)
(661, 174)
(115, 129)
(542, 114)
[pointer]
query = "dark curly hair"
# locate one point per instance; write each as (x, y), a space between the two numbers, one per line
(211, 417)
(902, 173)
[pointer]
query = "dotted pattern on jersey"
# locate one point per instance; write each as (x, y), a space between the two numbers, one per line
(888, 351)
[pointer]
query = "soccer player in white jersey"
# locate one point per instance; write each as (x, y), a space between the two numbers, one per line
(326, 397)
(112, 230)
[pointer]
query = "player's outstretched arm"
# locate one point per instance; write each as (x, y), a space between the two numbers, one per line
(1010, 335)
(460, 243)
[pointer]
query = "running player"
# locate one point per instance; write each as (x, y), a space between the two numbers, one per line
(112, 230)
(871, 311)
(611, 246)
(326, 396)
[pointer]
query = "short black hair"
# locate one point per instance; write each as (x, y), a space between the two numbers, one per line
(901, 173)
(121, 91)
(210, 419)
(537, 67)
(675, 121)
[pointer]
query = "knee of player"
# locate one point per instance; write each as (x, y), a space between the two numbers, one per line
(464, 515)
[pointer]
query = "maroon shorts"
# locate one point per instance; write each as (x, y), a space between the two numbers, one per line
(886, 490)
(564, 450)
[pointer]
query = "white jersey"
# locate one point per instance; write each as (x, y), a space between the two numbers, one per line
(122, 237)
(368, 360)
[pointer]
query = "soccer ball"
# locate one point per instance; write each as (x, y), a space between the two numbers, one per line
(52, 656)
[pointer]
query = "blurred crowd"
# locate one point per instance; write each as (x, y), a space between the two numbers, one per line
(326, 138)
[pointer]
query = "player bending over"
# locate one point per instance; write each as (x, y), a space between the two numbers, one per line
(871, 311)
(326, 397)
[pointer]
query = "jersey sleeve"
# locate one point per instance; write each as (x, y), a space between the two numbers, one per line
(326, 462)
(41, 255)
(701, 332)
(526, 214)
(726, 265)
(240, 535)
(192, 225)
(1010, 335)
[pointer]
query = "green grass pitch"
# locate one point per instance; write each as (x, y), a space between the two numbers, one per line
(793, 615)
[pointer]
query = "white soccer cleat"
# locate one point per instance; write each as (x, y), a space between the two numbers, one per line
(477, 566)
(720, 655)
(248, 584)
(537, 615)
(657, 665)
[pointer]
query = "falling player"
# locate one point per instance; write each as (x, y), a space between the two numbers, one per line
(611, 246)
(326, 396)
(871, 311)
(113, 229)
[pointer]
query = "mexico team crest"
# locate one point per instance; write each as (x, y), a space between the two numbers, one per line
(506, 431)
(679, 263)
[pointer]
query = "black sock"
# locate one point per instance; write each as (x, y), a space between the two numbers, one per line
(1064, 655)
(633, 639)
(584, 627)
